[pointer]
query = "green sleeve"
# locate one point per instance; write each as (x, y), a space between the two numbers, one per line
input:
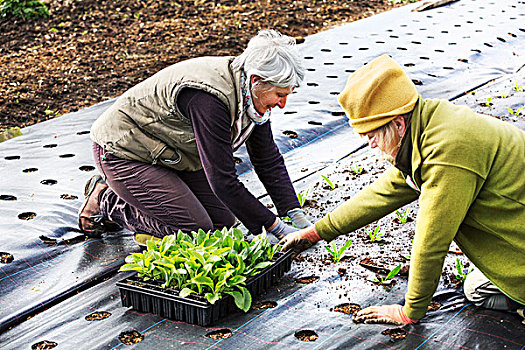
(446, 195)
(388, 193)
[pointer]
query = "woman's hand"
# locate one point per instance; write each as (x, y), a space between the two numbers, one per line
(392, 314)
(298, 218)
(301, 240)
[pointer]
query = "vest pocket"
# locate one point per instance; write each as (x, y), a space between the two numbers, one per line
(169, 157)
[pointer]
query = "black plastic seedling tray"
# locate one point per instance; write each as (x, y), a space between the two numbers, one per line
(165, 302)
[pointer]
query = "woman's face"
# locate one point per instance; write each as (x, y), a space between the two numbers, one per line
(266, 96)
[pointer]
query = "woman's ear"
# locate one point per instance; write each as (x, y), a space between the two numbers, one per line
(254, 78)
(399, 122)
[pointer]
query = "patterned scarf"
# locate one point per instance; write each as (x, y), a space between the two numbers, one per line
(249, 108)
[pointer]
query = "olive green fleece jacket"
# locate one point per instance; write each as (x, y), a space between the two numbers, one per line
(470, 169)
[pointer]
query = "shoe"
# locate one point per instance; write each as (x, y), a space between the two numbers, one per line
(97, 223)
(142, 238)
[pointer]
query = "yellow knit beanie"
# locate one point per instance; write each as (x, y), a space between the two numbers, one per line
(376, 93)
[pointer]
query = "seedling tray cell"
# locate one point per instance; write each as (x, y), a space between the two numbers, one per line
(150, 297)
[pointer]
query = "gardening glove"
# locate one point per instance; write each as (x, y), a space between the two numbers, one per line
(281, 229)
(298, 218)
(301, 240)
(392, 314)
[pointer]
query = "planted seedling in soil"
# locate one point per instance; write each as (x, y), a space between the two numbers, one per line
(403, 217)
(388, 279)
(337, 254)
(517, 87)
(461, 271)
(331, 185)
(488, 103)
(206, 264)
(375, 235)
(356, 169)
(516, 112)
(303, 196)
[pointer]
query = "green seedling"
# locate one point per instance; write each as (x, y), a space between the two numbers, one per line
(390, 275)
(356, 169)
(504, 95)
(488, 103)
(375, 235)
(516, 112)
(460, 270)
(337, 254)
(329, 182)
(205, 263)
(403, 217)
(517, 87)
(303, 196)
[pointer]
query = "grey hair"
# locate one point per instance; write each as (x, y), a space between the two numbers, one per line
(273, 57)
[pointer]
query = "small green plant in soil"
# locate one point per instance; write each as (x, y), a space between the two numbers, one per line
(403, 217)
(303, 196)
(26, 9)
(336, 253)
(356, 169)
(207, 264)
(504, 95)
(375, 235)
(515, 112)
(488, 103)
(517, 87)
(388, 277)
(329, 182)
(460, 271)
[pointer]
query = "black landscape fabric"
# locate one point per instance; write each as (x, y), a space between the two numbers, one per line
(447, 51)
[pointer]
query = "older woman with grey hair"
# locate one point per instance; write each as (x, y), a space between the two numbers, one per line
(165, 147)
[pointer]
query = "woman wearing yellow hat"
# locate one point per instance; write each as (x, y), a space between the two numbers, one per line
(467, 172)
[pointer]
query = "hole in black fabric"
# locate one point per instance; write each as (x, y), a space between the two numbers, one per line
(464, 60)
(424, 58)
(409, 64)
(487, 44)
(403, 25)
(402, 48)
(452, 43)
(513, 35)
(395, 333)
(312, 84)
(237, 160)
(7, 197)
(416, 42)
(291, 134)
(12, 157)
(6, 258)
(326, 50)
(417, 82)
(67, 155)
(83, 132)
(308, 58)
(306, 280)
(219, 334)
(432, 75)
(98, 315)
(306, 335)
(130, 337)
(430, 37)
(394, 36)
(422, 28)
(86, 168)
(444, 31)
(311, 122)
(343, 43)
(348, 308)
(521, 29)
(470, 22)
(363, 48)
(48, 182)
(347, 56)
(310, 69)
(26, 216)
(439, 50)
(68, 196)
(338, 113)
(265, 304)
(30, 170)
(44, 345)
(476, 50)
(349, 70)
(449, 68)
(328, 63)
(501, 39)
(51, 145)
(380, 42)
(290, 112)
(332, 76)
(313, 102)
(334, 93)
(390, 30)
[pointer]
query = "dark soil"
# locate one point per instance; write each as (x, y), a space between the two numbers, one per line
(395, 333)
(44, 345)
(99, 315)
(348, 308)
(306, 335)
(265, 304)
(130, 337)
(89, 51)
(6, 258)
